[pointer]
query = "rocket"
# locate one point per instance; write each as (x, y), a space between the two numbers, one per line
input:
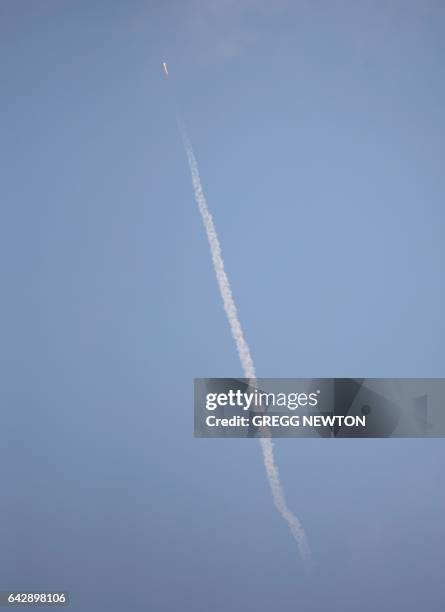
(165, 69)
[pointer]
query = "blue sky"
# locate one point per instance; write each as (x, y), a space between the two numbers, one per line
(318, 128)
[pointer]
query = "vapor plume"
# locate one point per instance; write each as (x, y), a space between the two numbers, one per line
(243, 350)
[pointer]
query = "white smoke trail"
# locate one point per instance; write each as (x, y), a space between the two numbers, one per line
(243, 350)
